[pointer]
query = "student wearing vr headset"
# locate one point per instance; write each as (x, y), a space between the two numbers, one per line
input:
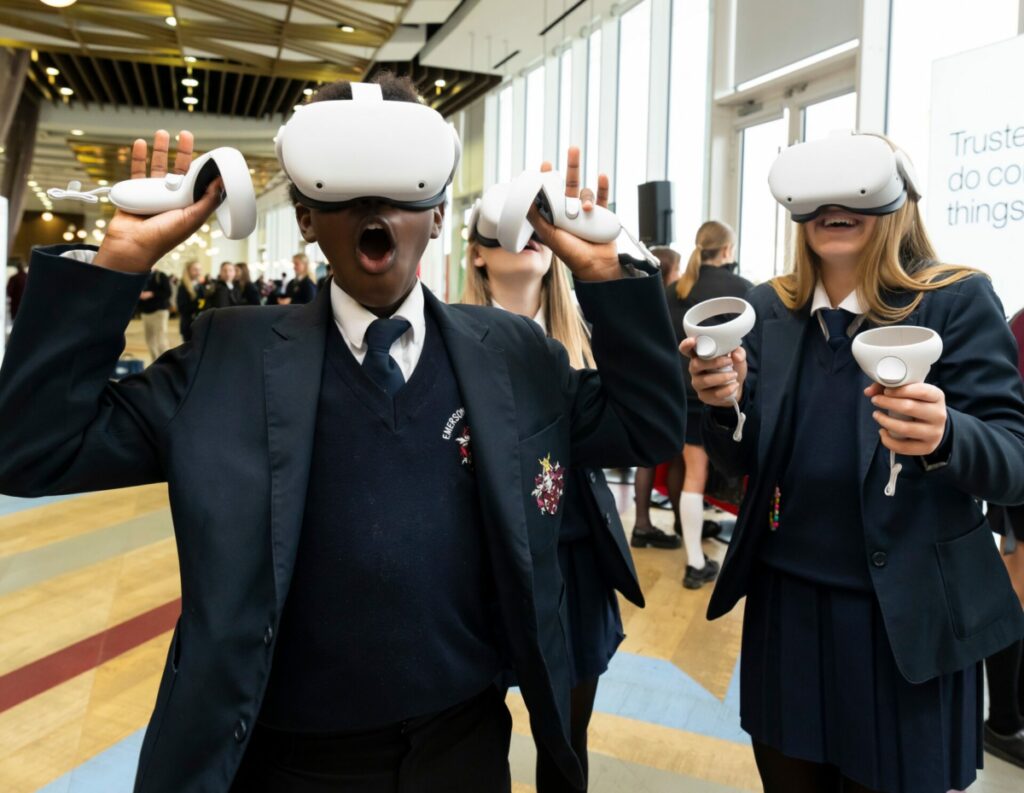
(867, 616)
(383, 545)
(592, 552)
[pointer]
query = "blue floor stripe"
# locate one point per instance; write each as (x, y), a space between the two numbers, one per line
(111, 771)
(10, 504)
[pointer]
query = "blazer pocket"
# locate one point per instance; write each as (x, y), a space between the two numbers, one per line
(544, 458)
(976, 583)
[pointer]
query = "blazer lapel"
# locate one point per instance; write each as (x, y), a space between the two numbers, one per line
(483, 378)
(781, 348)
(292, 369)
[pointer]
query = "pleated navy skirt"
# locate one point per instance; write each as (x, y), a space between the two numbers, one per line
(818, 682)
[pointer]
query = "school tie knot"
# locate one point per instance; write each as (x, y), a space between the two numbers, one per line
(837, 321)
(378, 364)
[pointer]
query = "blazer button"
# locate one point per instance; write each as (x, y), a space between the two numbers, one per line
(241, 730)
(268, 635)
(879, 559)
(607, 519)
(593, 476)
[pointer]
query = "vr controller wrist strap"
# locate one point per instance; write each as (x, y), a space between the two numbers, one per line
(75, 193)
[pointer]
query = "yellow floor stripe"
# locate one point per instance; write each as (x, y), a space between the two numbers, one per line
(52, 734)
(33, 528)
(42, 619)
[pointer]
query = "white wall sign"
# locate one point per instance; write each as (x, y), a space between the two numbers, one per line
(975, 190)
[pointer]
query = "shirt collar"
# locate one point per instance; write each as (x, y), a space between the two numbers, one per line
(538, 317)
(851, 302)
(353, 319)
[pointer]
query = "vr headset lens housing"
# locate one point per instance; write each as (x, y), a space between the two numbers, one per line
(858, 173)
(340, 152)
(483, 222)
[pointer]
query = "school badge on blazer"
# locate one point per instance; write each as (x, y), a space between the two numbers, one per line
(465, 450)
(549, 486)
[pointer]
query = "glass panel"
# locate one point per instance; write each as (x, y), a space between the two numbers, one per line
(593, 107)
(634, 89)
(565, 109)
(823, 118)
(924, 31)
(534, 118)
(762, 220)
(505, 134)
(688, 108)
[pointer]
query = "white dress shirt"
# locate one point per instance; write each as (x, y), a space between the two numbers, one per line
(851, 303)
(538, 317)
(353, 320)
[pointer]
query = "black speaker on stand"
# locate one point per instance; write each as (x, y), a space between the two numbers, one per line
(655, 211)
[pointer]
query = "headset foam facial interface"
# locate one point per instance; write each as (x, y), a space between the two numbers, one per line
(339, 151)
(857, 172)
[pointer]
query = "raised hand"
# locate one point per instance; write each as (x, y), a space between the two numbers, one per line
(588, 261)
(133, 243)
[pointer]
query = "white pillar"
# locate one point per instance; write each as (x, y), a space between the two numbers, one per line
(873, 66)
(657, 113)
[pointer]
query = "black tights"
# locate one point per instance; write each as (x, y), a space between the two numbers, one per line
(549, 778)
(644, 482)
(782, 774)
(1006, 689)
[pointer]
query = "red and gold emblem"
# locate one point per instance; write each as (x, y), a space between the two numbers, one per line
(465, 452)
(549, 486)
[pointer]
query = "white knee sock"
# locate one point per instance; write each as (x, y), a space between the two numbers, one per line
(691, 509)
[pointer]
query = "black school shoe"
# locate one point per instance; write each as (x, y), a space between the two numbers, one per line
(1006, 747)
(695, 579)
(650, 536)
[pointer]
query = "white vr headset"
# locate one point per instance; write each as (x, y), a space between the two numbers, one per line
(858, 172)
(337, 152)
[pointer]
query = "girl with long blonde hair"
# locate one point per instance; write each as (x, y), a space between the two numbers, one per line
(868, 611)
(535, 284)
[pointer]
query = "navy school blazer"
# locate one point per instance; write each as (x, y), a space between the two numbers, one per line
(945, 596)
(227, 420)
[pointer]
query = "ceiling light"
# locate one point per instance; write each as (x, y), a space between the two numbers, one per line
(2, 150)
(172, 22)
(100, 222)
(104, 199)
(252, 170)
(65, 91)
(72, 227)
(58, 3)
(97, 234)
(204, 228)
(190, 100)
(190, 82)
(80, 234)
(175, 256)
(33, 183)
(307, 92)
(102, 182)
(216, 234)
(68, 236)
(347, 29)
(190, 59)
(440, 83)
(53, 71)
(47, 216)
(78, 132)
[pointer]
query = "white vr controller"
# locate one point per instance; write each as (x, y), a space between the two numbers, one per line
(236, 213)
(546, 191)
(894, 356)
(714, 341)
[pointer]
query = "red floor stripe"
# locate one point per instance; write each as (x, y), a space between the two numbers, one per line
(39, 676)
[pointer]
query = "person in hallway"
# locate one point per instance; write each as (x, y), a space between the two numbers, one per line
(374, 557)
(191, 291)
(645, 533)
(1004, 728)
(301, 288)
(592, 551)
(224, 291)
(867, 615)
(16, 286)
(155, 307)
(248, 292)
(710, 273)
(326, 278)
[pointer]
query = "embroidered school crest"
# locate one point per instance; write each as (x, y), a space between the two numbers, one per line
(550, 483)
(465, 451)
